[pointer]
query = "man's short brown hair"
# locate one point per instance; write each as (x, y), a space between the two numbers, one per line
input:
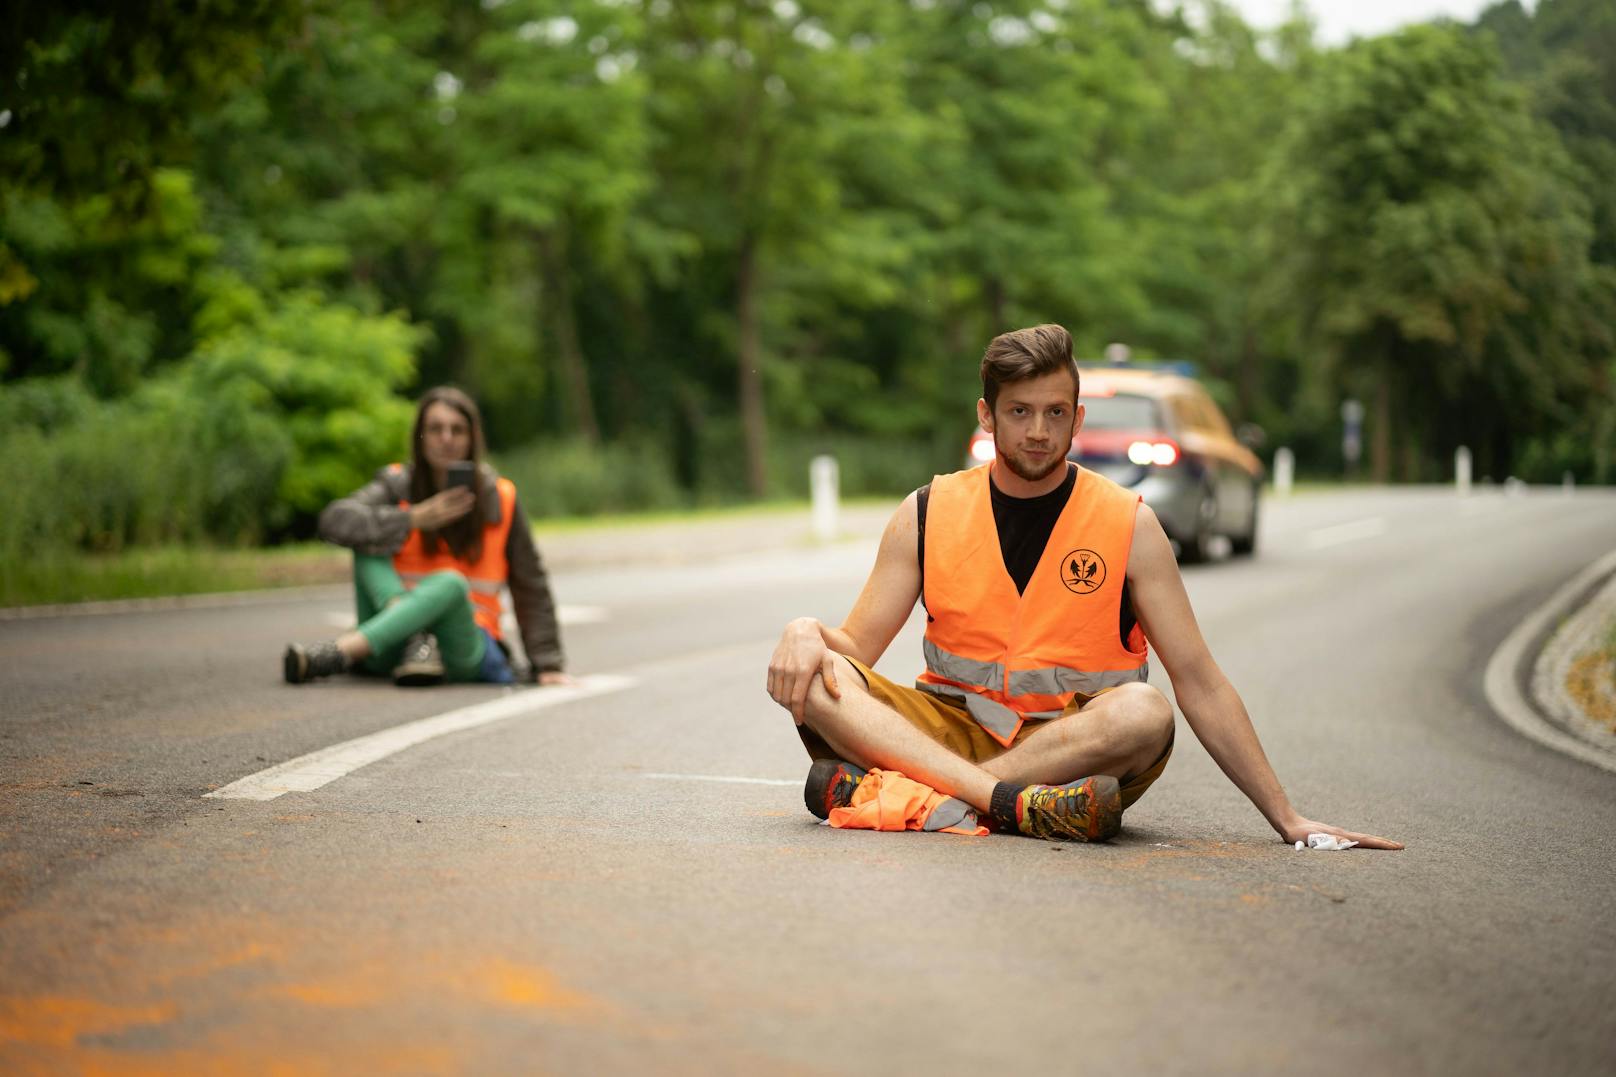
(1026, 353)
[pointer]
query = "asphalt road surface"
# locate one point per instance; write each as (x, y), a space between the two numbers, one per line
(629, 880)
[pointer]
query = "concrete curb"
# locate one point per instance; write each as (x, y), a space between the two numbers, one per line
(1507, 672)
(1581, 632)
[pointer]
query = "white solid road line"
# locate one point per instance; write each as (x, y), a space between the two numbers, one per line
(1347, 532)
(724, 778)
(326, 765)
(1503, 683)
(318, 768)
(582, 615)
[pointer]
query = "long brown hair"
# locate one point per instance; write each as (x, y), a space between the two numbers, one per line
(465, 535)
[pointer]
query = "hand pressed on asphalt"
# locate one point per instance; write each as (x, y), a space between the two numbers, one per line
(1299, 831)
(800, 656)
(556, 677)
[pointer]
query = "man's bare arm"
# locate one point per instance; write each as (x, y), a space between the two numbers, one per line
(889, 595)
(1212, 707)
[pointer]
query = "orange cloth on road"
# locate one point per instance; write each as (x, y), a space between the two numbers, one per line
(886, 800)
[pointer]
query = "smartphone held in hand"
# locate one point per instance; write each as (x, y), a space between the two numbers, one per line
(460, 473)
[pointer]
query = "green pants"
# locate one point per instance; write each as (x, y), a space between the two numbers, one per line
(440, 604)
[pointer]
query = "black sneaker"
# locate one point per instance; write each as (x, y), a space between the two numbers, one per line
(1089, 809)
(421, 665)
(830, 785)
(303, 663)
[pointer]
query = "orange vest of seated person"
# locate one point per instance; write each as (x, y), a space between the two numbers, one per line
(485, 577)
(1010, 657)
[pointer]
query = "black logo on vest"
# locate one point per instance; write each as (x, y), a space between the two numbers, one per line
(1082, 571)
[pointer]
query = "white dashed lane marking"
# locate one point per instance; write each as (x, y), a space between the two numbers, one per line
(1340, 534)
(723, 778)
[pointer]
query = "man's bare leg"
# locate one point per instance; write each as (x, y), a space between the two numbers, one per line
(868, 734)
(1120, 733)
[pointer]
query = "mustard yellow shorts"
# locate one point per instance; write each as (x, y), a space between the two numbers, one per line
(954, 728)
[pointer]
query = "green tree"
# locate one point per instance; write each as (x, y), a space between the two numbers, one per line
(550, 153)
(100, 227)
(761, 110)
(1433, 217)
(1564, 52)
(1037, 111)
(1203, 223)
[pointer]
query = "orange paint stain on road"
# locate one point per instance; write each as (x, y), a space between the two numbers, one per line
(340, 993)
(248, 954)
(59, 1021)
(531, 987)
(374, 983)
(1193, 850)
(287, 1059)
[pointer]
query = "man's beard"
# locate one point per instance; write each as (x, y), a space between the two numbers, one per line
(1024, 470)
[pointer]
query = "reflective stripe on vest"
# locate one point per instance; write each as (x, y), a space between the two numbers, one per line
(1009, 657)
(1049, 681)
(485, 577)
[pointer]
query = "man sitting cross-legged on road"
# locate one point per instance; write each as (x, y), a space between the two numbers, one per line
(1041, 581)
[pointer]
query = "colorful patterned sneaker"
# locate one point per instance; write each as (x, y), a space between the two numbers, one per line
(421, 665)
(830, 785)
(305, 662)
(1089, 809)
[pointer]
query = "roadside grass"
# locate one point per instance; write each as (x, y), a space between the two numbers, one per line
(1591, 680)
(167, 570)
(555, 525)
(147, 572)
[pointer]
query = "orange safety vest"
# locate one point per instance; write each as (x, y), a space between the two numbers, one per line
(486, 576)
(1008, 657)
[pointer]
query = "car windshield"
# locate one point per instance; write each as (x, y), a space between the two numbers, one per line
(1120, 412)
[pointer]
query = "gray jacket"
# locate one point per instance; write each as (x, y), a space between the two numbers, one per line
(369, 521)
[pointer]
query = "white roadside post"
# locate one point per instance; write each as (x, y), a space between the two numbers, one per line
(1568, 483)
(1352, 416)
(1284, 471)
(824, 478)
(1461, 470)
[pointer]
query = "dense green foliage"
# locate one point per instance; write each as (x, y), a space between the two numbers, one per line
(677, 246)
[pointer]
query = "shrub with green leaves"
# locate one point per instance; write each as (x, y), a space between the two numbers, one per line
(568, 477)
(247, 438)
(324, 375)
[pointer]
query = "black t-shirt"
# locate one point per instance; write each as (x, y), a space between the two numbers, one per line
(1024, 525)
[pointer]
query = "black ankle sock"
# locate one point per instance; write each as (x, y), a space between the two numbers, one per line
(1003, 806)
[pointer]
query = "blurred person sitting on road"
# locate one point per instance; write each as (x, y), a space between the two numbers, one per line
(430, 559)
(1041, 581)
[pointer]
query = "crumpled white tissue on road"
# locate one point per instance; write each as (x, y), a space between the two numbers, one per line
(1327, 842)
